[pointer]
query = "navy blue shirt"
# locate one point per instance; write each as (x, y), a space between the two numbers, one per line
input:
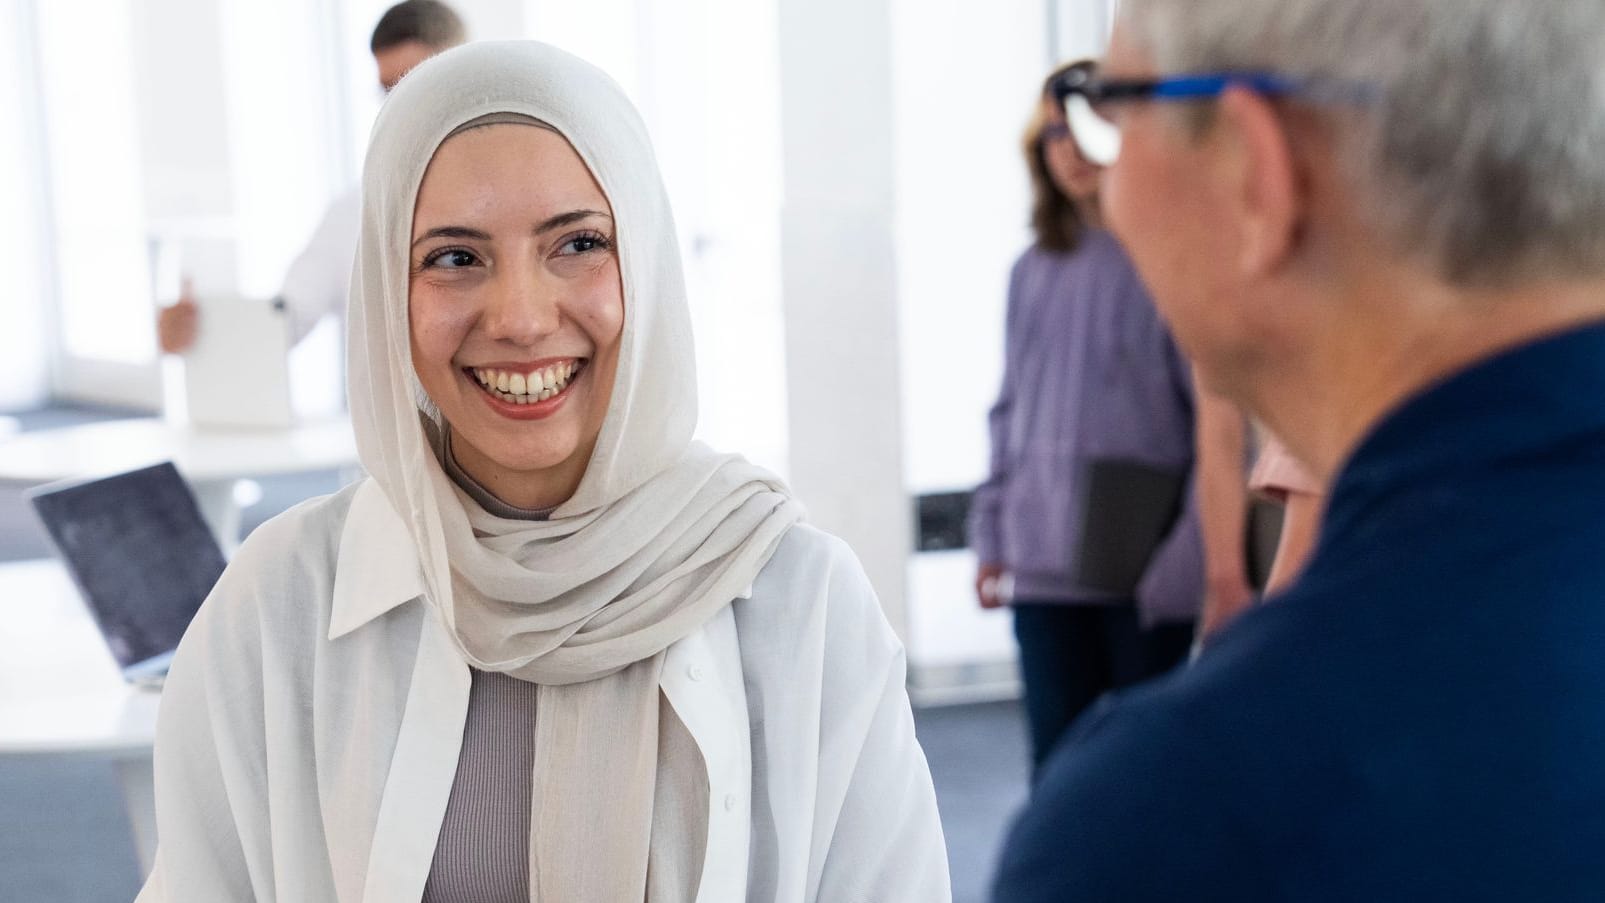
(1421, 717)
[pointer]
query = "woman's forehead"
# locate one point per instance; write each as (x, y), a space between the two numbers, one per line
(501, 167)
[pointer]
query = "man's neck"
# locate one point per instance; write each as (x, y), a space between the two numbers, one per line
(1402, 339)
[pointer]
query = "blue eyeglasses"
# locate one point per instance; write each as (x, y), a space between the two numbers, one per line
(1083, 94)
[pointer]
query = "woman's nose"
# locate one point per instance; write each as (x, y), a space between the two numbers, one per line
(523, 308)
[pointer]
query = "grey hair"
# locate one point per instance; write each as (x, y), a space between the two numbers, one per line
(1481, 147)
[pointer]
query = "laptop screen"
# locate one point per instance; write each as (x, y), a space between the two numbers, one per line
(141, 555)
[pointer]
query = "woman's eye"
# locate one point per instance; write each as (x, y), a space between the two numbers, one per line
(451, 259)
(583, 244)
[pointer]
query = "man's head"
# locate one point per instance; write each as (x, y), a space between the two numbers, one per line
(411, 32)
(1451, 145)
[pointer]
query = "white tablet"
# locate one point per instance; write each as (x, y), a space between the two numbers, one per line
(237, 374)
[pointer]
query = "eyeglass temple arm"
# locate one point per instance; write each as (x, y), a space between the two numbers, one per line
(1205, 85)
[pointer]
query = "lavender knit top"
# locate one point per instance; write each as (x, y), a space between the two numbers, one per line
(1090, 371)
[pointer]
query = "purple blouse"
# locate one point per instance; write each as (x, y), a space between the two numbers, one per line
(1090, 371)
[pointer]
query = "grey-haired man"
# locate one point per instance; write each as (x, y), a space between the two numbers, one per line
(1380, 226)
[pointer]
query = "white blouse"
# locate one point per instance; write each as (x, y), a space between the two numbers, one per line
(310, 727)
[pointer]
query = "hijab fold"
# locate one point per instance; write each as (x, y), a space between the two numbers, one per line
(661, 533)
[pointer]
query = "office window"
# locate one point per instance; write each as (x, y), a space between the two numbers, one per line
(90, 137)
(24, 306)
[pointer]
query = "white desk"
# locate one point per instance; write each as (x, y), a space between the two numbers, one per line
(62, 695)
(212, 459)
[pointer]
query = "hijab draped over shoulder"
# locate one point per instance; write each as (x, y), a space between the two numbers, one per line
(660, 534)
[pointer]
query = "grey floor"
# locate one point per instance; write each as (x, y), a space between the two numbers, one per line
(64, 838)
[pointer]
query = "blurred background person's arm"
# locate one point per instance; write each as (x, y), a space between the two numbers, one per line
(177, 324)
(987, 502)
(316, 284)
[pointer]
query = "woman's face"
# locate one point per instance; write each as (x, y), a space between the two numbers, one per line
(1071, 174)
(516, 307)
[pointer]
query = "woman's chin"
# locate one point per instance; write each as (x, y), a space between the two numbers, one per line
(531, 464)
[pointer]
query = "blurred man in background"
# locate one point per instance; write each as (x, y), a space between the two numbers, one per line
(315, 286)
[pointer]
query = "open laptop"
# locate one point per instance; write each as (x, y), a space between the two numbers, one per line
(141, 555)
(238, 372)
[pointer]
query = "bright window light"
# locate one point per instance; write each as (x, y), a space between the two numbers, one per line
(91, 138)
(24, 304)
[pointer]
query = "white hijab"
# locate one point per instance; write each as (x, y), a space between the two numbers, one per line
(661, 533)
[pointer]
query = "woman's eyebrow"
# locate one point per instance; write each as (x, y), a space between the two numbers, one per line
(556, 222)
(450, 232)
(568, 219)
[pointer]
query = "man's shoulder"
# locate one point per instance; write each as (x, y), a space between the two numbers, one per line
(1159, 785)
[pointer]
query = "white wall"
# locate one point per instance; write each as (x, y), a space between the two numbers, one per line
(839, 280)
(1082, 28)
(705, 76)
(967, 78)
(487, 20)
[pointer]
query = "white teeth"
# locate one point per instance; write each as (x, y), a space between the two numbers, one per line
(520, 388)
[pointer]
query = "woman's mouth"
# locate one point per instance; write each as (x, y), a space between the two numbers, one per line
(526, 387)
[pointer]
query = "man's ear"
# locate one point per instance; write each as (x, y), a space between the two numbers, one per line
(1263, 186)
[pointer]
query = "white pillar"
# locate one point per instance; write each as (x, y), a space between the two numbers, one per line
(839, 281)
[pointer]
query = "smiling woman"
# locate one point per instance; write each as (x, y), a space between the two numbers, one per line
(552, 644)
(516, 306)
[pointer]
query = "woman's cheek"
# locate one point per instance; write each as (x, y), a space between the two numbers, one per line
(438, 325)
(608, 307)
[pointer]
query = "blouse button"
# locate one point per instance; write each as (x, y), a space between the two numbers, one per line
(729, 802)
(694, 672)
